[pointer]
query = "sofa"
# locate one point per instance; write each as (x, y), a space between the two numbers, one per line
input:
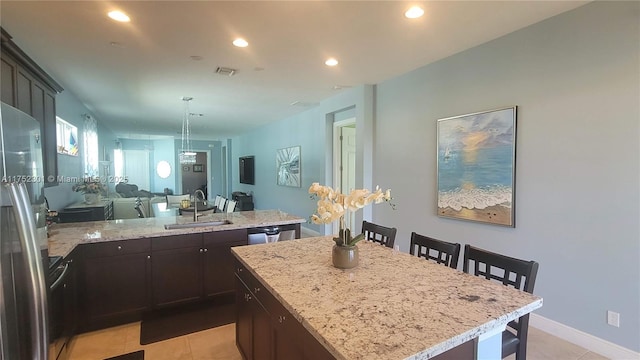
(126, 190)
(124, 200)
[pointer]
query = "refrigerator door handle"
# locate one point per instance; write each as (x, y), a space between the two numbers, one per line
(34, 269)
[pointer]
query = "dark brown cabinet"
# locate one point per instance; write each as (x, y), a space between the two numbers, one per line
(115, 282)
(176, 269)
(253, 326)
(62, 308)
(193, 267)
(265, 329)
(29, 88)
(120, 280)
(218, 269)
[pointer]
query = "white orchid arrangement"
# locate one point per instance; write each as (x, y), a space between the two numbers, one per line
(332, 206)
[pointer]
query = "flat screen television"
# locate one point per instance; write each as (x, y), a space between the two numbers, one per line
(247, 170)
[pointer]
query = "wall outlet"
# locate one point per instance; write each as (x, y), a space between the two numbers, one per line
(613, 318)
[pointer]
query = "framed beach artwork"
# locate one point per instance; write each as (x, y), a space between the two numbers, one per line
(288, 166)
(476, 166)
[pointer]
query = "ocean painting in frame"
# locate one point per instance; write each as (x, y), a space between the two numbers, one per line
(476, 166)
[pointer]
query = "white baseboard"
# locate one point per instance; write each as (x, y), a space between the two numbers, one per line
(587, 341)
(306, 232)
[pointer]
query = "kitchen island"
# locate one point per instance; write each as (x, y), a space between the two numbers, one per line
(391, 306)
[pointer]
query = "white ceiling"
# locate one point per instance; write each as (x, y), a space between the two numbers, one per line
(134, 86)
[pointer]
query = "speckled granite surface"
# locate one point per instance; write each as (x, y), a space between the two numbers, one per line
(63, 238)
(392, 306)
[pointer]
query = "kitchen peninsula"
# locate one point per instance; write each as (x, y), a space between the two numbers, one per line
(65, 237)
(391, 306)
(124, 269)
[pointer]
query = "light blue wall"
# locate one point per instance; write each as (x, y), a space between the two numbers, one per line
(312, 131)
(574, 79)
(305, 130)
(162, 150)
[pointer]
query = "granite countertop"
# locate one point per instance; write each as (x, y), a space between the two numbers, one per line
(63, 238)
(391, 306)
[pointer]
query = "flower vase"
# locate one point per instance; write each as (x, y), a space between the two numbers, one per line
(343, 255)
(91, 198)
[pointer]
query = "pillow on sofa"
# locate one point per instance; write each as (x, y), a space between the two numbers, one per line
(127, 190)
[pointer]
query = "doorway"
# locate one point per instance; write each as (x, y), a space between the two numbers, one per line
(196, 176)
(344, 161)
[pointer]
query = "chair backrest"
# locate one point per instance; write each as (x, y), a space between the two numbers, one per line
(231, 206)
(378, 233)
(174, 200)
(520, 274)
(440, 251)
(221, 206)
(510, 271)
(140, 208)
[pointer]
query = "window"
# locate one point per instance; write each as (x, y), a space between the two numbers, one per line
(91, 152)
(67, 137)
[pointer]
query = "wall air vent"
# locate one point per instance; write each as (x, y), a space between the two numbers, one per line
(225, 71)
(304, 103)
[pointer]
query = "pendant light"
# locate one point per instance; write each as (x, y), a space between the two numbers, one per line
(187, 156)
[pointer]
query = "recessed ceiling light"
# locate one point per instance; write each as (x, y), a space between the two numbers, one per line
(240, 42)
(331, 62)
(118, 15)
(414, 12)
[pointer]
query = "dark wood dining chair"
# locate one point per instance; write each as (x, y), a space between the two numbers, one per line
(509, 271)
(439, 251)
(379, 234)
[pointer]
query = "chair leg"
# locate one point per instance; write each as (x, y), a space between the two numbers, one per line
(521, 352)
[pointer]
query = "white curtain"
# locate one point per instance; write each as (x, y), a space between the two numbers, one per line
(136, 168)
(90, 141)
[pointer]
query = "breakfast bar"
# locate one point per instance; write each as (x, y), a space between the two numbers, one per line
(391, 306)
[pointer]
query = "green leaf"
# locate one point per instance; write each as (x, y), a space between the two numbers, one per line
(355, 240)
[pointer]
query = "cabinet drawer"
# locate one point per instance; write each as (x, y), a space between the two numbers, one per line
(247, 278)
(176, 242)
(234, 237)
(270, 303)
(113, 248)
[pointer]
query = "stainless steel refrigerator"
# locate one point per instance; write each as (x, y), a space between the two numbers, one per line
(23, 239)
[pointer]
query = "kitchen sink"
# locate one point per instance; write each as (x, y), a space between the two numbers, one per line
(197, 224)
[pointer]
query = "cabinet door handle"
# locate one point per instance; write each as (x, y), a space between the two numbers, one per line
(201, 250)
(148, 257)
(255, 290)
(239, 270)
(247, 297)
(281, 319)
(119, 247)
(205, 249)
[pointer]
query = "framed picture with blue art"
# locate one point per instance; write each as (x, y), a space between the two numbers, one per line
(476, 166)
(288, 166)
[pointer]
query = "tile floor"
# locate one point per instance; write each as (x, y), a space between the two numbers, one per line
(219, 344)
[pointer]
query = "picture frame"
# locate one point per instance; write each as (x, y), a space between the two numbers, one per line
(197, 167)
(476, 162)
(288, 166)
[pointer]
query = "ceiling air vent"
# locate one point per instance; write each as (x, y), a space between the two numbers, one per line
(225, 71)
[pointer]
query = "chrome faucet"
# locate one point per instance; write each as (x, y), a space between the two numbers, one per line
(195, 203)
